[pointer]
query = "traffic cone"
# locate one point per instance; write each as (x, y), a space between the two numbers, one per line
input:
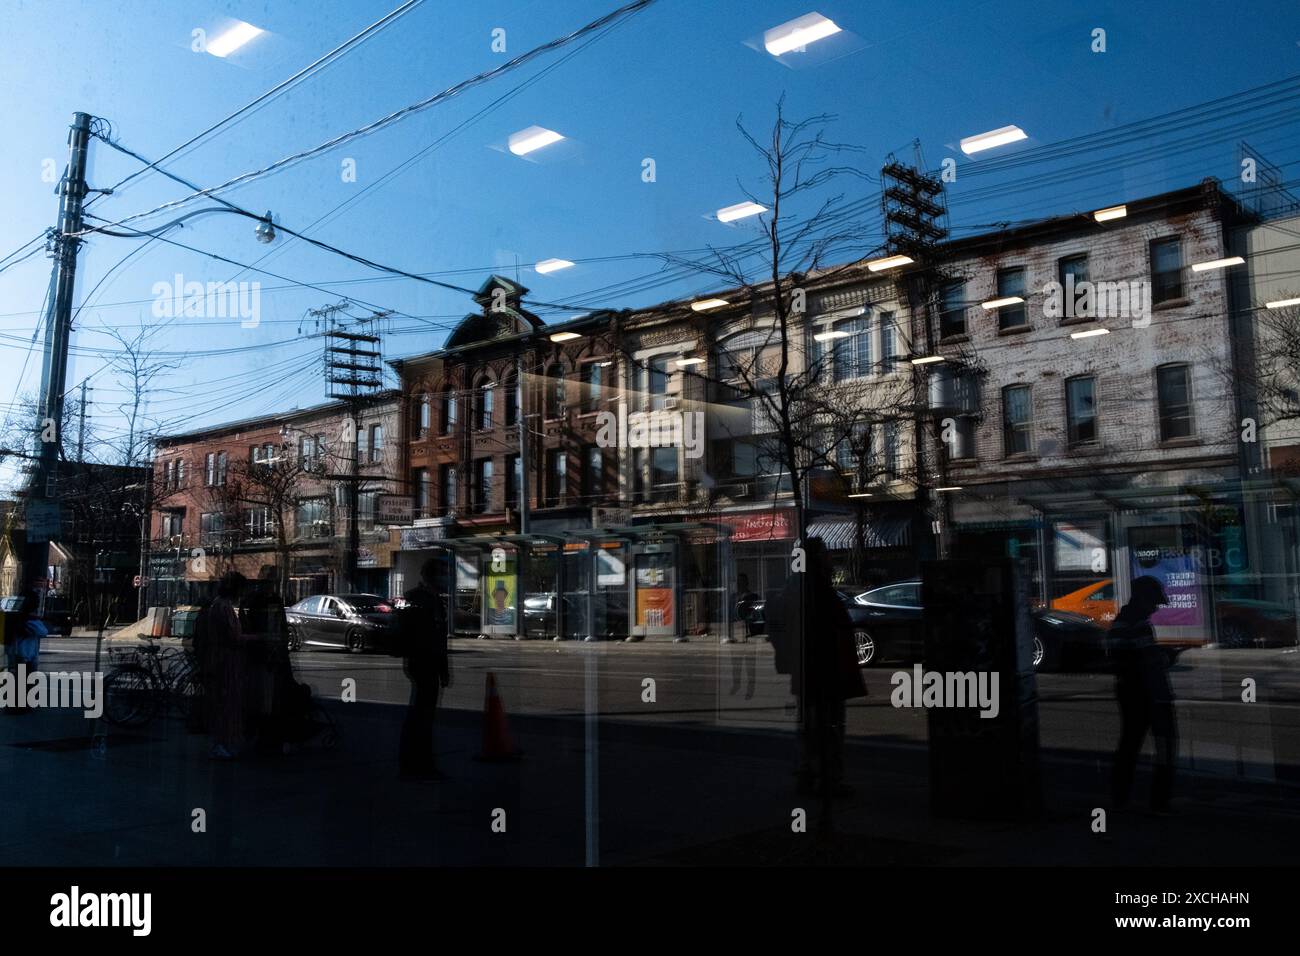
(496, 735)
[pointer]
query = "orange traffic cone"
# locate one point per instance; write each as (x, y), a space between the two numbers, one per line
(496, 735)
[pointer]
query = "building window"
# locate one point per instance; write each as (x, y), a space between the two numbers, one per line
(173, 523)
(482, 485)
(1017, 416)
(261, 454)
(1072, 270)
(211, 527)
(376, 444)
(593, 374)
(554, 403)
(952, 309)
(851, 351)
(449, 411)
(483, 404)
(656, 376)
(216, 469)
(447, 484)
(853, 455)
(1081, 410)
(420, 488)
(889, 355)
(892, 431)
(1166, 270)
(1174, 394)
(593, 472)
(423, 416)
(367, 510)
(557, 473)
(1011, 283)
(512, 399)
(312, 518)
(514, 480)
(664, 481)
(258, 522)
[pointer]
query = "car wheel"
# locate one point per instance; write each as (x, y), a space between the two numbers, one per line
(865, 647)
(1233, 634)
(294, 640)
(1046, 654)
(356, 642)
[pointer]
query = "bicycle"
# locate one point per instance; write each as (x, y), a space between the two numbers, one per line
(148, 680)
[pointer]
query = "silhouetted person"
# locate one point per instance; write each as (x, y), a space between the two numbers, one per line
(1146, 700)
(812, 637)
(423, 629)
(229, 667)
(262, 618)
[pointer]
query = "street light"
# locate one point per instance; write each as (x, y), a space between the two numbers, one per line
(265, 230)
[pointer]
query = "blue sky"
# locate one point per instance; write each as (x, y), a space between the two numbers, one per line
(667, 84)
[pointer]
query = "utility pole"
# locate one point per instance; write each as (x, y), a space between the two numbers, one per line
(352, 364)
(81, 427)
(66, 244)
(915, 213)
(521, 419)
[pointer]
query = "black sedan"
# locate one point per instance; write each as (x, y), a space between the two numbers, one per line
(888, 625)
(353, 622)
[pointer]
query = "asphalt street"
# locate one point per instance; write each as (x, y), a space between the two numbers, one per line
(705, 683)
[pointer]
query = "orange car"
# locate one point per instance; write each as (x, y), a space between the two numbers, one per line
(1094, 601)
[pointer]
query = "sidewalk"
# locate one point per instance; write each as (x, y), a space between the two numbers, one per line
(666, 795)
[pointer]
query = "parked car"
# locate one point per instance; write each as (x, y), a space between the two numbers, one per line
(354, 622)
(1242, 622)
(58, 622)
(888, 625)
(611, 614)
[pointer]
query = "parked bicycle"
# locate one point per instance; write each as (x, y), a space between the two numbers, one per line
(148, 680)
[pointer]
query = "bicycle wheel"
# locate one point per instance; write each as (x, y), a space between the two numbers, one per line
(130, 696)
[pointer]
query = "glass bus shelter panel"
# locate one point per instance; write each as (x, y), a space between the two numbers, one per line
(500, 592)
(654, 597)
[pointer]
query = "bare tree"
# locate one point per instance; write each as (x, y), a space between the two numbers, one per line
(136, 369)
(274, 483)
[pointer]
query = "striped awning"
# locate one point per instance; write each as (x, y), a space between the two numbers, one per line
(840, 534)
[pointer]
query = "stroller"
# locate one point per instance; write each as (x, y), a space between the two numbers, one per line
(299, 718)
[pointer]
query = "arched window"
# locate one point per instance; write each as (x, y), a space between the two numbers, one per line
(449, 410)
(423, 414)
(483, 390)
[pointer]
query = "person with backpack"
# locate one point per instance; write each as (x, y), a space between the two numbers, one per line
(422, 628)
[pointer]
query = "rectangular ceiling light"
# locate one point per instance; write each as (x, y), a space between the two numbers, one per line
(552, 265)
(830, 335)
(999, 303)
(949, 488)
(739, 211)
(1281, 303)
(1110, 212)
(703, 305)
(798, 33)
(889, 262)
(684, 362)
(861, 494)
(564, 336)
(1217, 264)
(230, 41)
(991, 139)
(532, 139)
(927, 359)
(1089, 333)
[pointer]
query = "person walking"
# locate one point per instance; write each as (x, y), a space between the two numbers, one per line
(1145, 696)
(228, 675)
(812, 639)
(423, 629)
(24, 633)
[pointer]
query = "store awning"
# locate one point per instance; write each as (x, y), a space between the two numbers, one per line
(840, 534)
